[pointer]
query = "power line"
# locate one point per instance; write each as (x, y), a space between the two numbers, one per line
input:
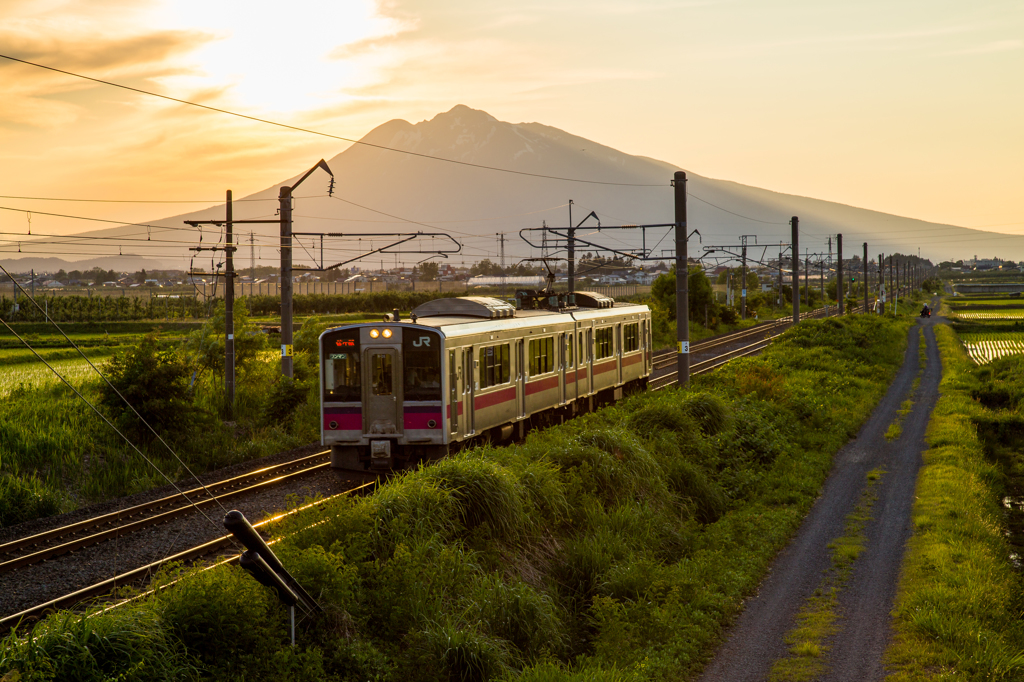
(133, 201)
(322, 134)
(691, 195)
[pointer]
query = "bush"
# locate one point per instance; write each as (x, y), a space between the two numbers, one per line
(152, 381)
(285, 396)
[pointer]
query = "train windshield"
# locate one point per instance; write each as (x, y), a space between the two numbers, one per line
(341, 367)
(421, 357)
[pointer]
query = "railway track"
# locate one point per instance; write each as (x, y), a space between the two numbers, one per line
(65, 539)
(59, 541)
(213, 548)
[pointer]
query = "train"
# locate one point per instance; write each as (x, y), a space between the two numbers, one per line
(474, 369)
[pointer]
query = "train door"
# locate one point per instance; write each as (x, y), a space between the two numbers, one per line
(521, 377)
(589, 348)
(561, 369)
(648, 350)
(453, 392)
(467, 396)
(618, 348)
(381, 392)
(570, 367)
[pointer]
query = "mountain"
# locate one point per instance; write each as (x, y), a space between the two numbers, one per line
(375, 189)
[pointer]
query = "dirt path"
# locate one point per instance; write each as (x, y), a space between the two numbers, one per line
(756, 640)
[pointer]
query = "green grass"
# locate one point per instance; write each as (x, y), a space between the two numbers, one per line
(23, 371)
(616, 546)
(958, 611)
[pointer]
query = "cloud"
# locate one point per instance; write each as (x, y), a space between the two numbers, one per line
(989, 48)
(33, 96)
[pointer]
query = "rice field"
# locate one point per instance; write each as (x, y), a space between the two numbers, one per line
(985, 348)
(991, 315)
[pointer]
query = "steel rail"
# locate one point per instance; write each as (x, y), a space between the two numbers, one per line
(126, 521)
(130, 577)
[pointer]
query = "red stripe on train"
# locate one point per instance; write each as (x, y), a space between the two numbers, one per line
(495, 398)
(421, 420)
(541, 385)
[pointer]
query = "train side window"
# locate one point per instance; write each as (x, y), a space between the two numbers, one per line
(583, 358)
(568, 346)
(495, 365)
(630, 337)
(542, 356)
(604, 343)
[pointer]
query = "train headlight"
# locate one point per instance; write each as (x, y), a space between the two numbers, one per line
(387, 333)
(374, 333)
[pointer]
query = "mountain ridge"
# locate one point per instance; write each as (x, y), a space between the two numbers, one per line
(381, 190)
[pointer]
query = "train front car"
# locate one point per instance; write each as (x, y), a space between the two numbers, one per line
(380, 398)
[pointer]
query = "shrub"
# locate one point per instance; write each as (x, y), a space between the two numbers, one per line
(285, 396)
(708, 410)
(485, 492)
(154, 382)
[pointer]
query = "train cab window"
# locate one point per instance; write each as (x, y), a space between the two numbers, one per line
(604, 343)
(381, 372)
(630, 337)
(495, 365)
(542, 356)
(342, 367)
(421, 365)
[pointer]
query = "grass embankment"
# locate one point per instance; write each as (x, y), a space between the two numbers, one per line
(960, 603)
(616, 546)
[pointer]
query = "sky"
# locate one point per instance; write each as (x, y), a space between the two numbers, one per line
(910, 107)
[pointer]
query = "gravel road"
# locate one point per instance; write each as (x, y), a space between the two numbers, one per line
(756, 639)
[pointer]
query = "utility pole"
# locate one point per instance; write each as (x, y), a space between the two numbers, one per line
(571, 274)
(795, 223)
(891, 288)
(502, 258)
(229, 311)
(866, 308)
(743, 283)
(285, 205)
(807, 274)
(780, 276)
(821, 281)
(682, 283)
(285, 200)
(839, 272)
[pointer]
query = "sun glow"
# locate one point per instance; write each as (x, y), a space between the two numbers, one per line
(278, 57)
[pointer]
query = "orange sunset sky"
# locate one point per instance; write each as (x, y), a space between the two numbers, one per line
(911, 107)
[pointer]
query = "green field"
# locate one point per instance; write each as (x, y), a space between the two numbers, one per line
(21, 368)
